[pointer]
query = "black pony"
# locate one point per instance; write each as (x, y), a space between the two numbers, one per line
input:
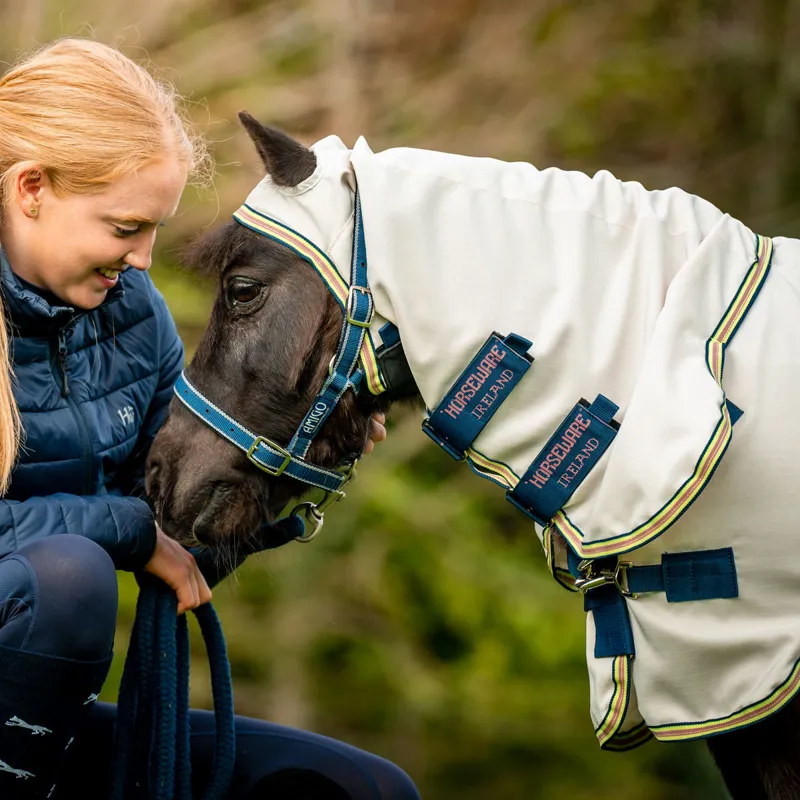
(273, 331)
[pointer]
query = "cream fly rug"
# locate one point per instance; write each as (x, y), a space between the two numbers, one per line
(669, 496)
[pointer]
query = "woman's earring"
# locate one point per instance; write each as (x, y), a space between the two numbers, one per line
(34, 212)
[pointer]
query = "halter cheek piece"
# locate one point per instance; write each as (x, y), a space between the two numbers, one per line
(354, 347)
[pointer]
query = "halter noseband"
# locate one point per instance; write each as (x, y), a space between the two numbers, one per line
(355, 344)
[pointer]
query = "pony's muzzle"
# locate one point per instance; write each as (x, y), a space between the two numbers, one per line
(206, 529)
(198, 491)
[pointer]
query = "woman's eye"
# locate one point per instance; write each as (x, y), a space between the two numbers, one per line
(125, 231)
(241, 292)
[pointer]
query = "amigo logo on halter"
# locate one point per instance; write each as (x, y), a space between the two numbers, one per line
(314, 417)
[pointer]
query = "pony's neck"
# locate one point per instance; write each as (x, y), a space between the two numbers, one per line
(439, 268)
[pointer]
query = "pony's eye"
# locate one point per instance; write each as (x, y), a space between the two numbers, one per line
(242, 291)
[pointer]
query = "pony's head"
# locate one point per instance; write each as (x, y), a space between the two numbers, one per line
(273, 331)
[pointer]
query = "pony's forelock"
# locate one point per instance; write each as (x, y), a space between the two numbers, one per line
(209, 254)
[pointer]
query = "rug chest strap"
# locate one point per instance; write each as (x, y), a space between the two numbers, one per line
(696, 575)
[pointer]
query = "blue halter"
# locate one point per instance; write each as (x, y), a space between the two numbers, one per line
(344, 374)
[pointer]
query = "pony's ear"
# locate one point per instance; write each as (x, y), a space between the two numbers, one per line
(287, 162)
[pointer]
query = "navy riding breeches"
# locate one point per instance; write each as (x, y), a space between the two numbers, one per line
(58, 601)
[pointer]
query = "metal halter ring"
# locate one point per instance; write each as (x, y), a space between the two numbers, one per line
(314, 514)
(308, 511)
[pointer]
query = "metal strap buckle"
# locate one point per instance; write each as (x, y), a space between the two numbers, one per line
(351, 304)
(591, 580)
(275, 471)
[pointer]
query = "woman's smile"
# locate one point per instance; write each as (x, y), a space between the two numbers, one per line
(109, 276)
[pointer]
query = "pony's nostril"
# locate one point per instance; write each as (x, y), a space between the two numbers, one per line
(152, 474)
(219, 489)
(227, 508)
(152, 467)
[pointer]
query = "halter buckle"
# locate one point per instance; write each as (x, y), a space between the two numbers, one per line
(274, 471)
(350, 305)
(348, 473)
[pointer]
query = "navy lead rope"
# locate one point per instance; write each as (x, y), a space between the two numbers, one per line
(151, 747)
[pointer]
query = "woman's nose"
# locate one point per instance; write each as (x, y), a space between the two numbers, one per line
(141, 255)
(140, 259)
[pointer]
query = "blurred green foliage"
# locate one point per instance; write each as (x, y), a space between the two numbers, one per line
(422, 624)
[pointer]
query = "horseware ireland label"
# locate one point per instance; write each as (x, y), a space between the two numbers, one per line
(478, 392)
(566, 459)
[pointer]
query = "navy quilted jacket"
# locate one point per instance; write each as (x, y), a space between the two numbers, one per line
(93, 389)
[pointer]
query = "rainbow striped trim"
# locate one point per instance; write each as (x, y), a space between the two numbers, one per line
(549, 549)
(628, 740)
(717, 445)
(495, 471)
(747, 716)
(325, 268)
(618, 705)
(565, 578)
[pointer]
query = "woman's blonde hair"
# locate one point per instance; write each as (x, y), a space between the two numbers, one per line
(10, 426)
(88, 115)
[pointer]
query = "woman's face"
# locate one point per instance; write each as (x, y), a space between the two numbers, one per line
(76, 246)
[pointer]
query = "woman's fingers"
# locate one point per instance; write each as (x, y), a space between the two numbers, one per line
(202, 585)
(178, 569)
(377, 430)
(186, 593)
(195, 589)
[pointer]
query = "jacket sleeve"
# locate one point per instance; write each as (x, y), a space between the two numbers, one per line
(130, 478)
(122, 526)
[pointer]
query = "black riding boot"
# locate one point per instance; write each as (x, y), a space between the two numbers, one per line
(58, 612)
(43, 702)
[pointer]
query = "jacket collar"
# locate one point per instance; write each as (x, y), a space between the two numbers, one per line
(28, 309)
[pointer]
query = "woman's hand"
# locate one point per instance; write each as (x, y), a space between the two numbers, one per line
(377, 431)
(178, 569)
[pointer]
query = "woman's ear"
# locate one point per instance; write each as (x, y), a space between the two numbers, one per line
(28, 185)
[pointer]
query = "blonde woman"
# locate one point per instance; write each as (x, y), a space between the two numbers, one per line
(94, 155)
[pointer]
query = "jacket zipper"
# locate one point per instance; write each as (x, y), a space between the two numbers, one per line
(62, 361)
(62, 380)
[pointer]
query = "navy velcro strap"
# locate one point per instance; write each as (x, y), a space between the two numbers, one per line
(565, 461)
(645, 579)
(698, 575)
(613, 634)
(478, 392)
(390, 334)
